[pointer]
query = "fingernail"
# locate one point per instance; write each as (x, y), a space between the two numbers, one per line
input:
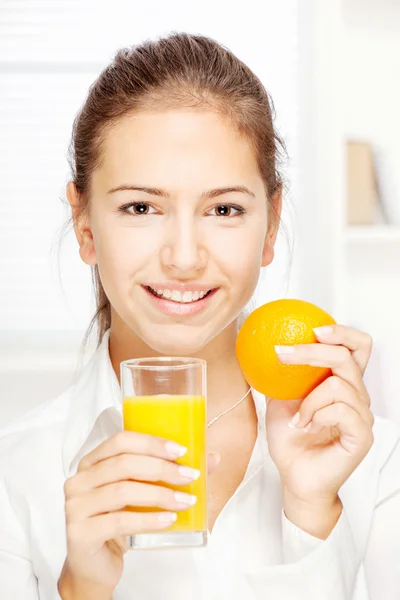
(175, 450)
(320, 331)
(186, 499)
(216, 455)
(308, 427)
(285, 349)
(294, 421)
(189, 472)
(167, 517)
(217, 458)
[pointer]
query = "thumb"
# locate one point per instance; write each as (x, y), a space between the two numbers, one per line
(213, 461)
(120, 541)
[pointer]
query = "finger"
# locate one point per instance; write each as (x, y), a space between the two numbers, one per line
(332, 390)
(358, 342)
(214, 459)
(336, 358)
(116, 496)
(120, 541)
(91, 535)
(135, 443)
(355, 434)
(130, 467)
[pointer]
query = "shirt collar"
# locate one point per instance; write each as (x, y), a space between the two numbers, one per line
(97, 394)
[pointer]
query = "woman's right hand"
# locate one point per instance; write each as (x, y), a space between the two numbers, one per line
(115, 475)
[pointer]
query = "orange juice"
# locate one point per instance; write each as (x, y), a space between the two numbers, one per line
(181, 419)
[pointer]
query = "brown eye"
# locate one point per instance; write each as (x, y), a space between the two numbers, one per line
(136, 209)
(224, 210)
(229, 210)
(140, 208)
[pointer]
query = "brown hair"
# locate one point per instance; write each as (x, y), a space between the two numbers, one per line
(179, 70)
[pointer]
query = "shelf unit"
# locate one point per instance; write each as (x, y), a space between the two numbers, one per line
(355, 270)
(373, 233)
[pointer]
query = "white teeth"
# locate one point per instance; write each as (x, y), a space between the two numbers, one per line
(185, 297)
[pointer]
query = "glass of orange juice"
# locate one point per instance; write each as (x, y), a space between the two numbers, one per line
(166, 397)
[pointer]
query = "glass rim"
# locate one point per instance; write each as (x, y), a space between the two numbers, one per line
(163, 363)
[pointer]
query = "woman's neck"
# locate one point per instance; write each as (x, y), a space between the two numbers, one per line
(225, 381)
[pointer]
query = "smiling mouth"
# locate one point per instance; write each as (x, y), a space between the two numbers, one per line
(177, 301)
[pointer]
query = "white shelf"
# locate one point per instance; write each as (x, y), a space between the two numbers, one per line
(373, 252)
(373, 233)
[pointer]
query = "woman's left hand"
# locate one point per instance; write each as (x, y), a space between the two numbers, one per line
(333, 432)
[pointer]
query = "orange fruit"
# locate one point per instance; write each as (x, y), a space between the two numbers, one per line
(281, 323)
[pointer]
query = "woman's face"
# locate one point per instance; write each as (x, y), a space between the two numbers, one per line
(201, 221)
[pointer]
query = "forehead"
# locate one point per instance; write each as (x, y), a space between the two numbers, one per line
(185, 145)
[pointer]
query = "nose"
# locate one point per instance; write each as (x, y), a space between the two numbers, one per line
(183, 250)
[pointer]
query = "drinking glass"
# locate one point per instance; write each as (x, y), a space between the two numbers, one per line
(166, 397)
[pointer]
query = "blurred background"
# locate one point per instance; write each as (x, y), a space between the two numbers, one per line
(332, 70)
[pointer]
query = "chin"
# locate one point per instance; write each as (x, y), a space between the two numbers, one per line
(176, 340)
(173, 346)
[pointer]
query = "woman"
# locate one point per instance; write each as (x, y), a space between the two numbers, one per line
(175, 189)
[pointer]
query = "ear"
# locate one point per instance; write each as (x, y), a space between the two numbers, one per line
(274, 218)
(82, 228)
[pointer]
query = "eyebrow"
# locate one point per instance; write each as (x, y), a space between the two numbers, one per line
(209, 194)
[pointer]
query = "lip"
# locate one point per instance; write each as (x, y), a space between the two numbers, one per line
(181, 287)
(170, 307)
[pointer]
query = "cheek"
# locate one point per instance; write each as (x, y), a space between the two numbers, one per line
(122, 251)
(240, 253)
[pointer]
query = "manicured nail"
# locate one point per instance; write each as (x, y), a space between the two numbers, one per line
(285, 349)
(217, 457)
(175, 450)
(294, 421)
(320, 331)
(186, 499)
(167, 517)
(308, 427)
(189, 472)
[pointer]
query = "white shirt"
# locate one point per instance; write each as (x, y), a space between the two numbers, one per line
(254, 551)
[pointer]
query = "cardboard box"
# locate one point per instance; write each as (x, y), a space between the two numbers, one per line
(362, 191)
